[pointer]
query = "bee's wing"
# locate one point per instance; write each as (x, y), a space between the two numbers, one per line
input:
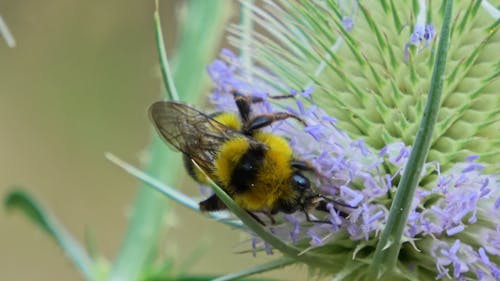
(190, 131)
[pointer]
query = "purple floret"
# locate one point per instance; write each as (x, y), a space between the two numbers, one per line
(462, 202)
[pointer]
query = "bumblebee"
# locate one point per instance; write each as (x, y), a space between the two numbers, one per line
(256, 168)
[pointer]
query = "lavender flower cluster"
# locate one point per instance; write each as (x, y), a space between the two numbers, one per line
(454, 219)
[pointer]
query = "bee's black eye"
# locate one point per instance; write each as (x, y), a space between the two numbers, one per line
(300, 181)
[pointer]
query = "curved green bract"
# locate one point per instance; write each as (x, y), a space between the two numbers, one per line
(21, 201)
(167, 190)
(278, 263)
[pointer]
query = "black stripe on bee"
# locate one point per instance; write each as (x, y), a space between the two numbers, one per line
(245, 172)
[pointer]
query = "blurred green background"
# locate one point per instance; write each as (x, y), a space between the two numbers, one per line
(77, 85)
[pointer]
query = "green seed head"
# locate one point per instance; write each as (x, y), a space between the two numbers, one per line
(371, 66)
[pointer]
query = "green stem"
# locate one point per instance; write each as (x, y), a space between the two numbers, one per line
(146, 222)
(199, 37)
(386, 253)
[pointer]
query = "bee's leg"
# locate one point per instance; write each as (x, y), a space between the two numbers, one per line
(322, 206)
(243, 102)
(254, 99)
(308, 218)
(212, 204)
(335, 202)
(256, 218)
(265, 120)
(302, 165)
(270, 216)
(281, 97)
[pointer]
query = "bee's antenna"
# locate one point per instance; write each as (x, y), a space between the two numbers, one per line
(336, 202)
(322, 205)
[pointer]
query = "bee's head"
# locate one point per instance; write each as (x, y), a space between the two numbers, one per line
(307, 199)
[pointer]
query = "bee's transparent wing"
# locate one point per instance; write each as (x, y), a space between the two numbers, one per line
(190, 131)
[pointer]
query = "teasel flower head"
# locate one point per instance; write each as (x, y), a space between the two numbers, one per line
(360, 74)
